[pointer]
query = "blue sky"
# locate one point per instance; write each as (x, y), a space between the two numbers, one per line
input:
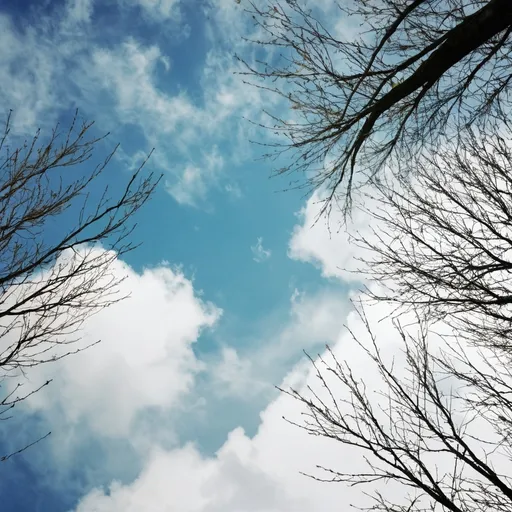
(231, 283)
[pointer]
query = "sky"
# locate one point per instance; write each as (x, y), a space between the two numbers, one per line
(176, 409)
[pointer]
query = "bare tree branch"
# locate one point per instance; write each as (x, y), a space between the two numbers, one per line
(420, 71)
(443, 241)
(57, 244)
(443, 442)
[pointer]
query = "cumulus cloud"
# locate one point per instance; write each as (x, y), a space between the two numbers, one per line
(259, 253)
(325, 241)
(257, 475)
(145, 358)
(262, 473)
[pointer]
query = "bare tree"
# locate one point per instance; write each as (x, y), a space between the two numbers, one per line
(415, 72)
(428, 79)
(442, 241)
(59, 233)
(440, 433)
(440, 250)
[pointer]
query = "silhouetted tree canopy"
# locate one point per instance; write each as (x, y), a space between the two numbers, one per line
(429, 427)
(381, 79)
(442, 241)
(60, 231)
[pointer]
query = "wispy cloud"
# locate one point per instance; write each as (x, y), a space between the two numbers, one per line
(313, 321)
(234, 190)
(79, 11)
(157, 10)
(128, 82)
(260, 254)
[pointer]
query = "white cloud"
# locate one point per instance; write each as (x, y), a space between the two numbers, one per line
(185, 132)
(37, 64)
(162, 475)
(234, 190)
(325, 241)
(314, 320)
(260, 254)
(157, 10)
(27, 89)
(245, 475)
(145, 358)
(235, 376)
(121, 85)
(191, 185)
(128, 73)
(262, 474)
(79, 11)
